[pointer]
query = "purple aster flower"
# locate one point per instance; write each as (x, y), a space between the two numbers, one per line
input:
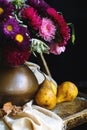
(10, 27)
(41, 5)
(22, 38)
(6, 9)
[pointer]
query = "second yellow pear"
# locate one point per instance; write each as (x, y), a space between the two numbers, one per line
(67, 91)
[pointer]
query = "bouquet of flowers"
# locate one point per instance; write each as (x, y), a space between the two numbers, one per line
(29, 26)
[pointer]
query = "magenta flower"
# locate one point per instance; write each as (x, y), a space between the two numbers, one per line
(47, 29)
(52, 12)
(32, 17)
(55, 49)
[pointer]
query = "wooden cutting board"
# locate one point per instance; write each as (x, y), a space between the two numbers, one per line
(73, 113)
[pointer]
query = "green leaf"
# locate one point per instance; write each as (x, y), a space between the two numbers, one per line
(73, 38)
(39, 46)
(72, 32)
(18, 3)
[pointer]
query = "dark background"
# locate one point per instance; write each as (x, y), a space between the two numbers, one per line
(72, 64)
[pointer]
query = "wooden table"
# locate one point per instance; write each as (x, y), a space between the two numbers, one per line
(73, 113)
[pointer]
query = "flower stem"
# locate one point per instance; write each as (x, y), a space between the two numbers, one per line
(45, 65)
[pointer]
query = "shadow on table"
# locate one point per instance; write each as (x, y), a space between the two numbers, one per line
(81, 127)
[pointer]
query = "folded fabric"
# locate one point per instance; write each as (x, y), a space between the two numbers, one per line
(33, 117)
(3, 126)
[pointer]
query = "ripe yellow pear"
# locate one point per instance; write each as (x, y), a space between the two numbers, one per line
(67, 91)
(45, 96)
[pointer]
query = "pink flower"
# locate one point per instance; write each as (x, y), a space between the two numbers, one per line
(47, 29)
(55, 49)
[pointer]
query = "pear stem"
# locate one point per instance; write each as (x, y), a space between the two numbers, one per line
(45, 65)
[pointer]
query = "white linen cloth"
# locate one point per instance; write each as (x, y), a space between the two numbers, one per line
(32, 117)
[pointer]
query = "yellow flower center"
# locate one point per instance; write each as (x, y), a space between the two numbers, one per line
(9, 28)
(19, 38)
(1, 10)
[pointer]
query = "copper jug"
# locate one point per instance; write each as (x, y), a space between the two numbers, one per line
(17, 84)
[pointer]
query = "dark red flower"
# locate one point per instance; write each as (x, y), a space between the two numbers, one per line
(62, 27)
(13, 56)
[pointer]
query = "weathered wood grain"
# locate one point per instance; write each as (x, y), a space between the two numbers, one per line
(73, 113)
